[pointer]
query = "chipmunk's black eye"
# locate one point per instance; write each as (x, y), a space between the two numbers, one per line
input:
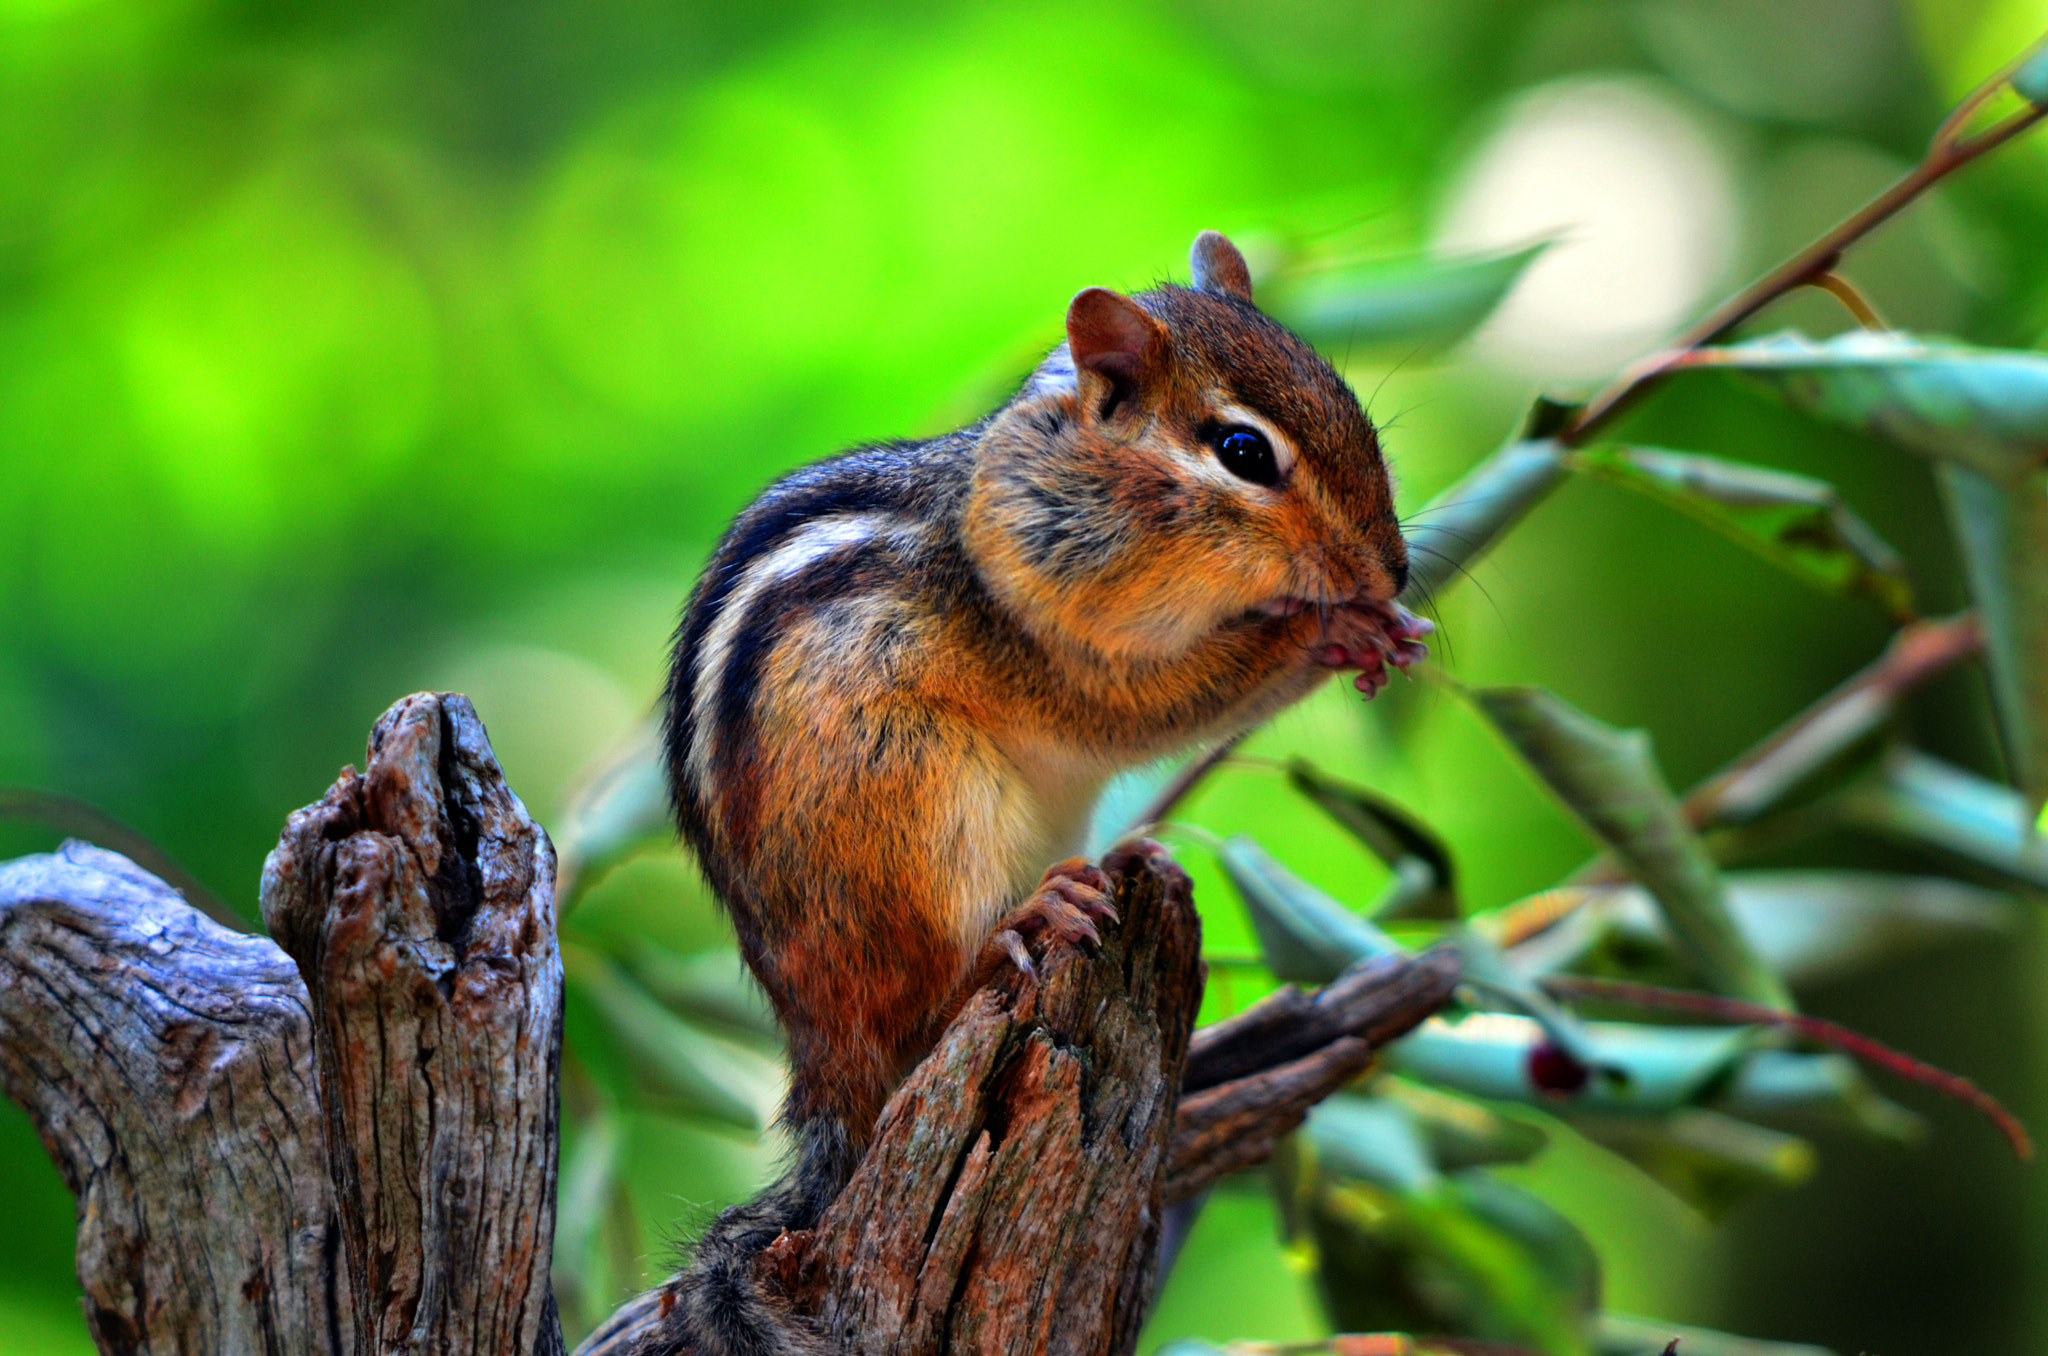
(1245, 453)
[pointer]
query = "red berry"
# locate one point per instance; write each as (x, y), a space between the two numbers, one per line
(1554, 1071)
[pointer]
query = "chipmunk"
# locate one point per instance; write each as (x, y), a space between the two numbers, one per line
(909, 669)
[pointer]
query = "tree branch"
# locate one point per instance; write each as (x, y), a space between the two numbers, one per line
(73, 817)
(1948, 152)
(176, 1071)
(1184, 781)
(168, 1064)
(352, 1148)
(1760, 779)
(1813, 266)
(1012, 1200)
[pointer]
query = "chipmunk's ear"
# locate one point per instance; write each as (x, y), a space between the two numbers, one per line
(1114, 343)
(1219, 267)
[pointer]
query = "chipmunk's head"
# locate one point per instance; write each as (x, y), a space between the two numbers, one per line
(1180, 465)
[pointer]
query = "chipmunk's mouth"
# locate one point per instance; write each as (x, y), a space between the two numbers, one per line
(1363, 634)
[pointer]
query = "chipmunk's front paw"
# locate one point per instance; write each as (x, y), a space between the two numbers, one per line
(1071, 896)
(1373, 637)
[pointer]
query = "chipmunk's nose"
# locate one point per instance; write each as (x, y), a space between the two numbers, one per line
(1386, 575)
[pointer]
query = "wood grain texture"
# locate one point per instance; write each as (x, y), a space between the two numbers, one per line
(168, 1064)
(418, 901)
(258, 1160)
(1252, 1079)
(1010, 1202)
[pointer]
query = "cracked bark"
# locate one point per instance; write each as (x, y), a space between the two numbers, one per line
(348, 1145)
(1013, 1197)
(418, 902)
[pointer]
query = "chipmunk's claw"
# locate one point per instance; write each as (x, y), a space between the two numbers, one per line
(1070, 899)
(1012, 945)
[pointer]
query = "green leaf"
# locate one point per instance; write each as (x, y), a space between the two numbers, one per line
(681, 1068)
(1570, 1267)
(1501, 1264)
(1462, 1133)
(1488, 970)
(1986, 408)
(1307, 936)
(1664, 1068)
(1797, 523)
(1610, 780)
(2001, 528)
(1711, 1161)
(1457, 527)
(1828, 1088)
(1415, 302)
(1624, 1335)
(1807, 926)
(1925, 801)
(1372, 1139)
(589, 1176)
(1395, 836)
(710, 986)
(1811, 926)
(619, 812)
(1124, 799)
(1504, 1265)
(2030, 81)
(1983, 413)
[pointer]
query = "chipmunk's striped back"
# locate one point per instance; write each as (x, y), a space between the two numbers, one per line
(862, 522)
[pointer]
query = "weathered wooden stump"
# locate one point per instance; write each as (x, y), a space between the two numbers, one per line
(351, 1148)
(168, 1064)
(419, 902)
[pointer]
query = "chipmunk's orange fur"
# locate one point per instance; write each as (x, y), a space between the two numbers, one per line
(908, 671)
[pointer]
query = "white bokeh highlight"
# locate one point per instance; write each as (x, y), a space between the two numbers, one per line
(1641, 201)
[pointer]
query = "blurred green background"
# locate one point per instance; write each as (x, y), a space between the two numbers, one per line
(347, 350)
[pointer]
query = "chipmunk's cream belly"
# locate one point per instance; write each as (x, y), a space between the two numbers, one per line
(1060, 810)
(1040, 807)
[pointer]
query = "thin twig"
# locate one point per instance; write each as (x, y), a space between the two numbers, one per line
(1853, 301)
(1817, 1028)
(72, 816)
(1184, 781)
(1747, 787)
(1948, 153)
(1952, 126)
(1916, 653)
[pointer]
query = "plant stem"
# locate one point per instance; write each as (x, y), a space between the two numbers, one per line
(1815, 1028)
(1175, 791)
(1758, 780)
(72, 816)
(1917, 652)
(1853, 301)
(1948, 152)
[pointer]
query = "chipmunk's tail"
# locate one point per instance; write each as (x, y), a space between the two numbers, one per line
(721, 1309)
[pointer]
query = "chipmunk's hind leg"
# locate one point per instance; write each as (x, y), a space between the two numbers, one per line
(721, 1307)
